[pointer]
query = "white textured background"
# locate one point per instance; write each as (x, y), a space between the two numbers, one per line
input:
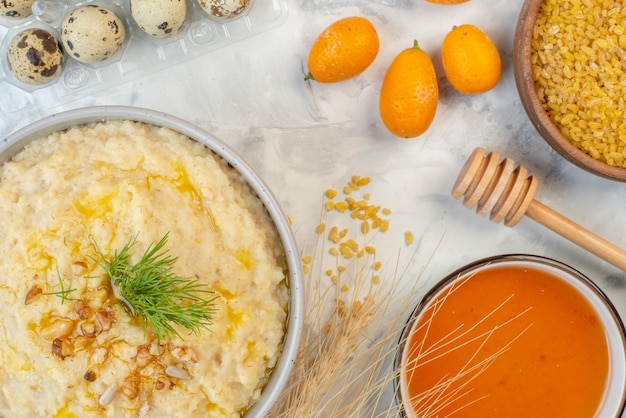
(305, 138)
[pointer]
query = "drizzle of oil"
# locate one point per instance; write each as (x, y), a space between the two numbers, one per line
(215, 408)
(99, 206)
(38, 257)
(46, 319)
(253, 352)
(182, 182)
(31, 326)
(95, 207)
(245, 258)
(235, 318)
(65, 412)
(185, 186)
(226, 294)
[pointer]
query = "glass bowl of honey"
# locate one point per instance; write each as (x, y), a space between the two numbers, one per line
(513, 335)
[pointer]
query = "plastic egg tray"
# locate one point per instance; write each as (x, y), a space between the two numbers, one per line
(141, 54)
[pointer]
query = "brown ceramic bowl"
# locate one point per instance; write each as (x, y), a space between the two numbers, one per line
(534, 108)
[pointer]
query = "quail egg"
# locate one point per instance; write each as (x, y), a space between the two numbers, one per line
(92, 33)
(35, 56)
(16, 9)
(159, 18)
(224, 9)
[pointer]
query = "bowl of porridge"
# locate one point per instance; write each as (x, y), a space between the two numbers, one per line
(146, 270)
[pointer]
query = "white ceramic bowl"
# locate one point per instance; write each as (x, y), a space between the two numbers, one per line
(15, 142)
(614, 392)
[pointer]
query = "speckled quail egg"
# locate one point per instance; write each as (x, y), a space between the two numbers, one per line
(92, 33)
(224, 9)
(160, 18)
(35, 56)
(16, 9)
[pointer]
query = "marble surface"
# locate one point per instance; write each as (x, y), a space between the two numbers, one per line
(303, 138)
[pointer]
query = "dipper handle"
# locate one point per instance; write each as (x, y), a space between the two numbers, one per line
(506, 191)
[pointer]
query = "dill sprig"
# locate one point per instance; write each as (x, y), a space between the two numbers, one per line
(151, 290)
(64, 293)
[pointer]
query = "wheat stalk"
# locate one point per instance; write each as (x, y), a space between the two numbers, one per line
(346, 364)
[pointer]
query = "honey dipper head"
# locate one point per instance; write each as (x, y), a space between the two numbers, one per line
(497, 187)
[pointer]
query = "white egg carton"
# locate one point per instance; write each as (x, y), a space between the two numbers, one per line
(140, 55)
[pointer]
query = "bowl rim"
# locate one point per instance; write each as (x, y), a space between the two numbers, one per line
(537, 261)
(13, 143)
(523, 74)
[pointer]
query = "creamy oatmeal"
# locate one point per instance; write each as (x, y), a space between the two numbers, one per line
(68, 347)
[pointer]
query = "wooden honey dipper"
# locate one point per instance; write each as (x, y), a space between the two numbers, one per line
(506, 191)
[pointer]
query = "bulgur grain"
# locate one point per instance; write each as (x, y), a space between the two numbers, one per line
(346, 248)
(341, 207)
(577, 52)
(408, 237)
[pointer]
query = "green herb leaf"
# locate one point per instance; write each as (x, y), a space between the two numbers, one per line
(64, 292)
(151, 290)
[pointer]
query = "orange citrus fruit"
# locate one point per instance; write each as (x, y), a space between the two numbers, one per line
(343, 50)
(470, 60)
(409, 94)
(447, 1)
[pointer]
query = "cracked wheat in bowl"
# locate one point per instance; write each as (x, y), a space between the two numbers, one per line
(82, 211)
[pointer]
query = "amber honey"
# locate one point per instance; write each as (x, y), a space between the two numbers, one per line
(512, 340)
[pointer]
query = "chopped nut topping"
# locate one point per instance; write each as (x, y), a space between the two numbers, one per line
(105, 318)
(58, 328)
(130, 388)
(184, 354)
(81, 343)
(90, 376)
(97, 298)
(32, 294)
(61, 348)
(162, 382)
(123, 350)
(82, 309)
(90, 329)
(143, 356)
(99, 356)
